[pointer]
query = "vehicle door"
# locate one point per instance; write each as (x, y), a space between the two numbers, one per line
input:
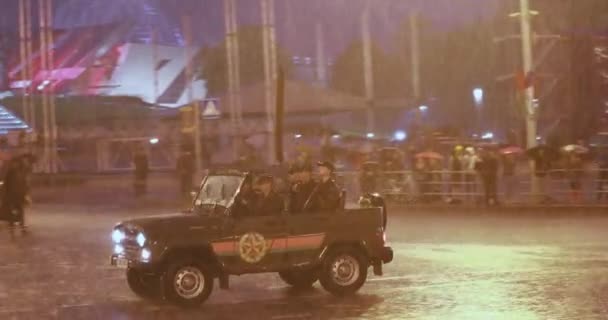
(253, 244)
(307, 235)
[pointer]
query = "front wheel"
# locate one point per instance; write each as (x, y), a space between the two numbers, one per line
(144, 285)
(187, 283)
(344, 271)
(300, 279)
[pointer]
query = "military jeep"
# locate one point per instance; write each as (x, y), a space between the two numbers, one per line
(178, 257)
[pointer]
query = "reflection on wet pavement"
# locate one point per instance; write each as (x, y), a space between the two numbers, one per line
(477, 272)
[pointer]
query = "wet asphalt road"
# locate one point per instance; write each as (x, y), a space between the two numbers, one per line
(447, 266)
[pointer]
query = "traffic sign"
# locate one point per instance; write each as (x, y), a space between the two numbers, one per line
(210, 109)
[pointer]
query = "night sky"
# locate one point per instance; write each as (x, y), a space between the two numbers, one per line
(295, 18)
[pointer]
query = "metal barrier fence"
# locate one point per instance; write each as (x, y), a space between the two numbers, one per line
(556, 187)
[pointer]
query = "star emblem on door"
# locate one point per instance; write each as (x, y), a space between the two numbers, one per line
(252, 247)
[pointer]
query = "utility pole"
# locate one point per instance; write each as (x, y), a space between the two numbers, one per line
(415, 53)
(270, 75)
(194, 109)
(528, 38)
(531, 116)
(51, 94)
(29, 73)
(321, 62)
(368, 68)
(232, 58)
(24, 61)
(44, 70)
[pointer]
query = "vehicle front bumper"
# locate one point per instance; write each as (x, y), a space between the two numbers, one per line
(386, 255)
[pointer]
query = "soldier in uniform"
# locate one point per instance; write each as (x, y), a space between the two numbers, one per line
(302, 189)
(326, 195)
(268, 202)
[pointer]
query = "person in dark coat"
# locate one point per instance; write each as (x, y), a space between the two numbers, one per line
(302, 188)
(488, 170)
(15, 195)
(326, 195)
(185, 171)
(268, 202)
(140, 161)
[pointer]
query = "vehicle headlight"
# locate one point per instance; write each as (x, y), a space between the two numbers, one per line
(118, 236)
(141, 239)
(145, 254)
(118, 249)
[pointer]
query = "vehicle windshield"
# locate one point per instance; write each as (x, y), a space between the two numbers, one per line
(218, 191)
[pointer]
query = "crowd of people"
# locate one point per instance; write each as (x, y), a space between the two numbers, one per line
(478, 173)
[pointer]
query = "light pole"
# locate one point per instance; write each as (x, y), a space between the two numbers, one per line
(526, 38)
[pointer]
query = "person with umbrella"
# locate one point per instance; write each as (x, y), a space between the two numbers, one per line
(455, 167)
(574, 168)
(487, 166)
(426, 162)
(509, 163)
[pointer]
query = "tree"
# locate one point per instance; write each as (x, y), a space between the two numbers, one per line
(214, 67)
(390, 79)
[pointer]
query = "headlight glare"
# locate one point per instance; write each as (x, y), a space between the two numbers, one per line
(118, 249)
(118, 236)
(145, 254)
(141, 239)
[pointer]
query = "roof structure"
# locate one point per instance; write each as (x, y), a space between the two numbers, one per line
(10, 122)
(300, 97)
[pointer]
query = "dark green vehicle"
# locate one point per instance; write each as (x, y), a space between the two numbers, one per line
(179, 256)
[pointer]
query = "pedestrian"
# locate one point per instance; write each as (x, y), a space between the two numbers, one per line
(15, 193)
(574, 165)
(469, 161)
(487, 166)
(602, 182)
(185, 171)
(455, 167)
(141, 163)
(508, 173)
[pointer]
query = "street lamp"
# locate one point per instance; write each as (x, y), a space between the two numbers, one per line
(478, 96)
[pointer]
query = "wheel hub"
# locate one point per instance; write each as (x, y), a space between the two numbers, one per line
(189, 282)
(345, 270)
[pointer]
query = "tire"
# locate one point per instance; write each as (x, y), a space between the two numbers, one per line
(187, 283)
(145, 286)
(300, 279)
(344, 271)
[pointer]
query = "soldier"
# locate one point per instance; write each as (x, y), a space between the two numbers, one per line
(302, 189)
(326, 195)
(268, 202)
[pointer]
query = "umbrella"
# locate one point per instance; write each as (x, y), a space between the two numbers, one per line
(575, 148)
(430, 155)
(511, 150)
(542, 151)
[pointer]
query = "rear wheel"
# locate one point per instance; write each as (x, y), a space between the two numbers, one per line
(144, 285)
(300, 279)
(344, 271)
(187, 283)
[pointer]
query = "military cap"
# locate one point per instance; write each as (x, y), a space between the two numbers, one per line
(327, 165)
